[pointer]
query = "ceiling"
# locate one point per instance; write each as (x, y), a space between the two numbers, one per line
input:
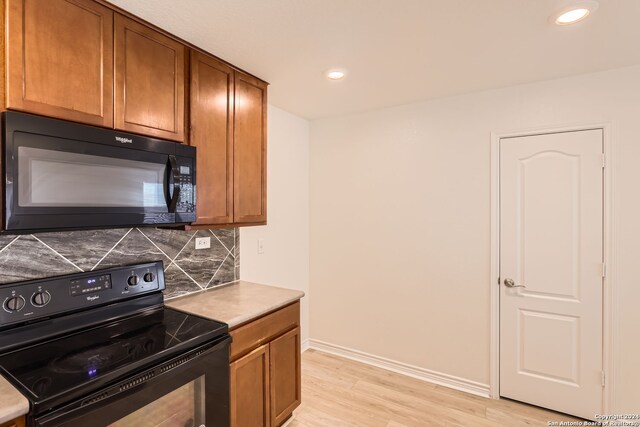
(396, 51)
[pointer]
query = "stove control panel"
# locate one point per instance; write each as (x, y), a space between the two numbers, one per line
(91, 284)
(34, 299)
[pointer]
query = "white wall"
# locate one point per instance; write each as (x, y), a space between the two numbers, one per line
(285, 261)
(400, 222)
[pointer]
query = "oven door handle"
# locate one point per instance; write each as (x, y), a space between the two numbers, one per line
(173, 184)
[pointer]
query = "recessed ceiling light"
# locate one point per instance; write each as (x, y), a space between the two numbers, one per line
(572, 16)
(575, 12)
(335, 74)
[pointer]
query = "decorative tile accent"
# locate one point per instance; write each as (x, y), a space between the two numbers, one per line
(225, 271)
(177, 283)
(5, 240)
(134, 248)
(186, 270)
(202, 264)
(170, 242)
(83, 248)
(27, 258)
(226, 237)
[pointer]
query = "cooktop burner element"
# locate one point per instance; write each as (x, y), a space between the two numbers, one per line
(111, 353)
(72, 346)
(90, 360)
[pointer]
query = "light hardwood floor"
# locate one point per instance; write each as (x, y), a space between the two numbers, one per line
(340, 392)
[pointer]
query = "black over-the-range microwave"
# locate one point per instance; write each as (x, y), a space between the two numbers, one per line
(66, 176)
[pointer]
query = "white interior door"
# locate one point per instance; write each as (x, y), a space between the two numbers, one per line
(551, 252)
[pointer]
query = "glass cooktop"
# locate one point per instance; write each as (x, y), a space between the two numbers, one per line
(107, 352)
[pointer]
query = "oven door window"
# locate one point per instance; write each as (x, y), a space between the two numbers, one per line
(50, 178)
(184, 406)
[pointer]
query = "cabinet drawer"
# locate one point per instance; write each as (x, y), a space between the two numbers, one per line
(263, 330)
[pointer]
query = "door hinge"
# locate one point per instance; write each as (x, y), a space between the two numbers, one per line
(604, 270)
(604, 379)
(604, 160)
(498, 280)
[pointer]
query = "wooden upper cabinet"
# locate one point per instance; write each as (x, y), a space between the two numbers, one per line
(81, 61)
(250, 150)
(211, 131)
(60, 59)
(149, 82)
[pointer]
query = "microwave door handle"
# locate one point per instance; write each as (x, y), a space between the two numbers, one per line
(174, 174)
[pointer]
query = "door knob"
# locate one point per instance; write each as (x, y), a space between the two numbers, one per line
(511, 284)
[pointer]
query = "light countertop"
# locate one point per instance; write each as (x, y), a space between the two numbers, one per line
(12, 403)
(236, 303)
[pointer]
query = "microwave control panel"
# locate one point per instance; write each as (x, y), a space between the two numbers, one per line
(187, 201)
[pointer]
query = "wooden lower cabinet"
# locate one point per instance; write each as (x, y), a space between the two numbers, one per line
(250, 389)
(284, 373)
(265, 369)
(18, 422)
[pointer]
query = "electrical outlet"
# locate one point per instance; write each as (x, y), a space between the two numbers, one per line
(203, 242)
(260, 246)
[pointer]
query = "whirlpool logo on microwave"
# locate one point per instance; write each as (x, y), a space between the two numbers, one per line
(93, 298)
(124, 140)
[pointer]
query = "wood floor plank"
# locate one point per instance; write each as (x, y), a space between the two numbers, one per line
(426, 409)
(424, 401)
(338, 392)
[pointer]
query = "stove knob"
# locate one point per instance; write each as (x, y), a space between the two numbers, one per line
(40, 299)
(14, 304)
(133, 280)
(149, 277)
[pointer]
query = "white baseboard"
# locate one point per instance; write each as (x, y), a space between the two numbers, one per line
(423, 374)
(304, 346)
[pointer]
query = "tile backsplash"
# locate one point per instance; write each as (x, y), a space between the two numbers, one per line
(187, 270)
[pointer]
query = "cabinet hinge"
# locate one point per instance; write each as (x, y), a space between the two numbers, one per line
(604, 160)
(604, 270)
(604, 379)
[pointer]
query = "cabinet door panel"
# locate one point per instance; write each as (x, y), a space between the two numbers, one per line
(211, 131)
(285, 375)
(60, 59)
(250, 150)
(18, 422)
(250, 389)
(149, 84)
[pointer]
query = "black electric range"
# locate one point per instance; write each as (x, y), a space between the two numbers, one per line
(100, 349)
